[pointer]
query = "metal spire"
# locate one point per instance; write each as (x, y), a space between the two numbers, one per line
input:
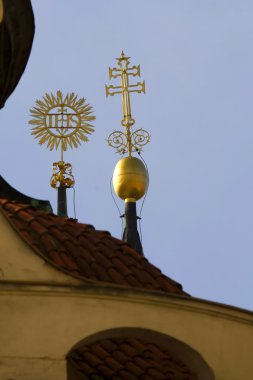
(130, 178)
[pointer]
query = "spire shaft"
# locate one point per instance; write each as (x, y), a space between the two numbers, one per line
(131, 234)
(62, 201)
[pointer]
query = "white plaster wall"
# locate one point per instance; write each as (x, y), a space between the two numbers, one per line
(19, 262)
(46, 323)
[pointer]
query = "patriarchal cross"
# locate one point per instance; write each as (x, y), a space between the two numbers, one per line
(128, 141)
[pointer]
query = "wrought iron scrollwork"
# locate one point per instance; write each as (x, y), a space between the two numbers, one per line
(139, 139)
(118, 140)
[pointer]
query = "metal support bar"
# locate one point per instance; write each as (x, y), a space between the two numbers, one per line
(131, 234)
(62, 201)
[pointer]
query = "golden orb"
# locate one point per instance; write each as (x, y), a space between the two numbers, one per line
(130, 179)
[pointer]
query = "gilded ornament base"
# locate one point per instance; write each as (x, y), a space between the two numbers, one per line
(62, 175)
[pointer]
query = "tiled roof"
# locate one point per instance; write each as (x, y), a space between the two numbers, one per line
(126, 359)
(83, 252)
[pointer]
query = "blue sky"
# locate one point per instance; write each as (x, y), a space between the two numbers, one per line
(196, 58)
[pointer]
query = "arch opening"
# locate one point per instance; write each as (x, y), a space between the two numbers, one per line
(135, 353)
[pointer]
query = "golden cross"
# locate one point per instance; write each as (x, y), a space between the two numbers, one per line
(124, 72)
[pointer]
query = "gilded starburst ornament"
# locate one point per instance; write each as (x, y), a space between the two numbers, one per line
(61, 121)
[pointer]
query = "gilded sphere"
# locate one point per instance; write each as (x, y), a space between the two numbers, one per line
(130, 178)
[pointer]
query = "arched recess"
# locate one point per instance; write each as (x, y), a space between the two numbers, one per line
(133, 353)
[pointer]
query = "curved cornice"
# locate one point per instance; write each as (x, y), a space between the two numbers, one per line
(119, 293)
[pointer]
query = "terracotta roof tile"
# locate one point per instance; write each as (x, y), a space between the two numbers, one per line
(87, 369)
(146, 377)
(101, 271)
(83, 252)
(48, 242)
(25, 234)
(99, 351)
(70, 264)
(113, 363)
(37, 227)
(24, 215)
(126, 375)
(132, 281)
(105, 250)
(117, 277)
(121, 266)
(128, 358)
(133, 368)
(92, 359)
(56, 257)
(142, 363)
(84, 267)
(103, 260)
(84, 241)
(107, 371)
(60, 233)
(120, 356)
(127, 348)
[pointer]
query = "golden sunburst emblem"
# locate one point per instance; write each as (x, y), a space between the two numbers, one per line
(61, 121)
